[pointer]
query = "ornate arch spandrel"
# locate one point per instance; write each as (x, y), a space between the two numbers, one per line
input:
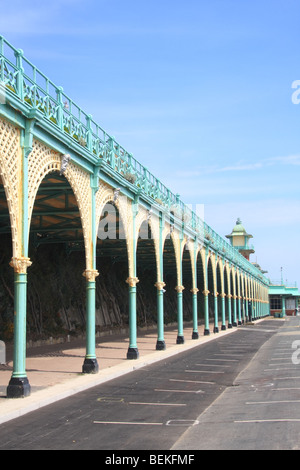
(42, 161)
(142, 216)
(105, 195)
(10, 172)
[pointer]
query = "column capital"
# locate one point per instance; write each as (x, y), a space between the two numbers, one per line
(132, 281)
(194, 290)
(205, 292)
(90, 274)
(160, 285)
(20, 265)
(179, 289)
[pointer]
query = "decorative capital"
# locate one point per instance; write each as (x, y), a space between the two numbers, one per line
(132, 281)
(205, 292)
(194, 290)
(160, 285)
(65, 159)
(229, 296)
(20, 265)
(179, 289)
(223, 296)
(90, 274)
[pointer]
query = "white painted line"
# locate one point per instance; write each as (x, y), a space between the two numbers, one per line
(206, 371)
(192, 381)
(283, 368)
(156, 404)
(224, 360)
(273, 402)
(182, 422)
(211, 365)
(128, 422)
(231, 355)
(285, 388)
(178, 391)
(288, 378)
(283, 420)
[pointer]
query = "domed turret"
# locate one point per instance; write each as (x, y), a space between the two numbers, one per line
(239, 239)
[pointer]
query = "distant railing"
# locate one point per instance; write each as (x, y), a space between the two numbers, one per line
(286, 283)
(23, 80)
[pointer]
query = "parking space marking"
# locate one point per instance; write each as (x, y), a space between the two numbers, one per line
(206, 371)
(182, 422)
(178, 391)
(156, 404)
(128, 423)
(192, 381)
(273, 402)
(224, 360)
(274, 420)
(211, 365)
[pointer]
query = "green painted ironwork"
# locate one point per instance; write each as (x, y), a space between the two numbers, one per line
(29, 90)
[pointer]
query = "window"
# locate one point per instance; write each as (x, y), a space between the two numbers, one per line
(275, 303)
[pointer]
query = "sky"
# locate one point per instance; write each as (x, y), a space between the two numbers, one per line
(204, 93)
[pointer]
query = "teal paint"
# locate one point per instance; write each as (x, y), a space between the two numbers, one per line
(216, 327)
(195, 334)
(223, 313)
(20, 301)
(90, 364)
(133, 349)
(160, 291)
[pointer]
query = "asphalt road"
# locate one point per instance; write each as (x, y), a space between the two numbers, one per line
(190, 401)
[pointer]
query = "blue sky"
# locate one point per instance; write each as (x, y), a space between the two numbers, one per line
(199, 91)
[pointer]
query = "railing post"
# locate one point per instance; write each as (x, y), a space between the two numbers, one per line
(89, 139)
(20, 76)
(59, 116)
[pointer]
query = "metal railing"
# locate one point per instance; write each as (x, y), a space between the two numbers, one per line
(23, 80)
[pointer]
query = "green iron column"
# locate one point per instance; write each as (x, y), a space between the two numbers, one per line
(180, 337)
(223, 312)
(19, 386)
(216, 327)
(234, 323)
(160, 344)
(206, 313)
(229, 310)
(195, 334)
(90, 365)
(205, 293)
(132, 352)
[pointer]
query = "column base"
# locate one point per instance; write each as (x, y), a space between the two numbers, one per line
(229, 325)
(234, 323)
(133, 353)
(18, 387)
(195, 335)
(239, 322)
(223, 327)
(206, 332)
(160, 346)
(180, 340)
(216, 329)
(90, 366)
